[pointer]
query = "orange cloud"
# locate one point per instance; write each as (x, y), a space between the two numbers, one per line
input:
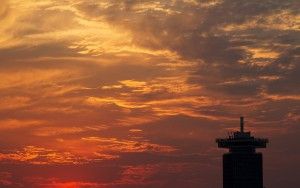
(38, 155)
(11, 124)
(113, 145)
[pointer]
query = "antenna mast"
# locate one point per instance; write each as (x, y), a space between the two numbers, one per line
(242, 124)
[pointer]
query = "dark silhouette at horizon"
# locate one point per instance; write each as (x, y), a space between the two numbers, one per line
(242, 165)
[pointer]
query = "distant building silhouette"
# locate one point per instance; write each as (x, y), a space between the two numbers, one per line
(242, 165)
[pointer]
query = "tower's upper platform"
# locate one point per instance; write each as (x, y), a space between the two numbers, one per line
(241, 141)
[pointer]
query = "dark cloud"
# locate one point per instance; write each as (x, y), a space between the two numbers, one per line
(286, 66)
(238, 12)
(195, 32)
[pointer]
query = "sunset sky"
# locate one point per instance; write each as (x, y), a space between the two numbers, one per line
(133, 93)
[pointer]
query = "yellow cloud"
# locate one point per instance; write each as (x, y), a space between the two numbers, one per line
(109, 100)
(263, 53)
(133, 83)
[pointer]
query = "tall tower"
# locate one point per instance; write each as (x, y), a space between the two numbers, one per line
(242, 165)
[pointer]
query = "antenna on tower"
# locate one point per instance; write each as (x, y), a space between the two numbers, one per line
(242, 124)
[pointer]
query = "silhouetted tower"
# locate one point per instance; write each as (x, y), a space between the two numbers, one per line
(242, 165)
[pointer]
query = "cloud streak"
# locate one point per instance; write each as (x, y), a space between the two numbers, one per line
(132, 93)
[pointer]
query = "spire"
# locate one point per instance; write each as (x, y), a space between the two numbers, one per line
(242, 124)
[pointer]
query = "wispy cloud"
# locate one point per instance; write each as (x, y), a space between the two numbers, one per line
(91, 82)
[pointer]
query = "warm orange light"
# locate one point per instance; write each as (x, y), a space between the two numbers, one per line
(73, 185)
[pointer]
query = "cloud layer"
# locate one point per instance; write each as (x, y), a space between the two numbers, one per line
(132, 93)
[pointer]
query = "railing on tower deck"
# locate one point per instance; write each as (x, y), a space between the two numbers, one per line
(251, 142)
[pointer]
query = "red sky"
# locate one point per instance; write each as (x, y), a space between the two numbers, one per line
(133, 93)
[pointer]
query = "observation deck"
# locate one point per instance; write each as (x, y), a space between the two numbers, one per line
(241, 141)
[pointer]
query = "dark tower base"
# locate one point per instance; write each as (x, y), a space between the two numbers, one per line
(242, 170)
